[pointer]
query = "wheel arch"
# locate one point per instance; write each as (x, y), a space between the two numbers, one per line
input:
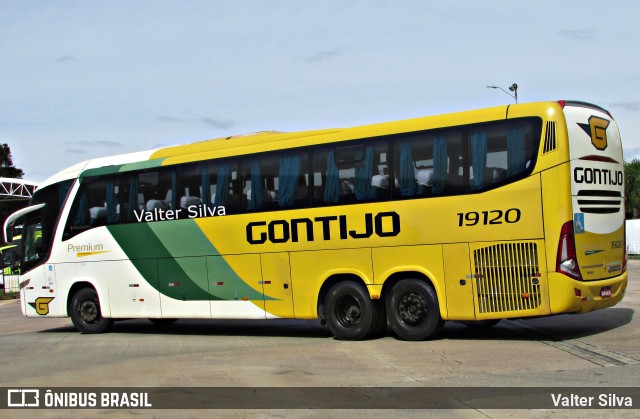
(80, 284)
(398, 276)
(329, 282)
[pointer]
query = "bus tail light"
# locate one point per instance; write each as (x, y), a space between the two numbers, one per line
(566, 260)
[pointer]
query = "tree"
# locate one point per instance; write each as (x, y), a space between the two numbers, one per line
(7, 169)
(632, 188)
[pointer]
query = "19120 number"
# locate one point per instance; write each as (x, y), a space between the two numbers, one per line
(493, 217)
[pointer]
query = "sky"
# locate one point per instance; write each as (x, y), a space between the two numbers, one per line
(86, 79)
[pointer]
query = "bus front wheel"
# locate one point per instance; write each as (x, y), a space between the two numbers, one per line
(350, 313)
(85, 312)
(413, 310)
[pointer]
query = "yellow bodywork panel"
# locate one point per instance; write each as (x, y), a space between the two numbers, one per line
(277, 284)
(426, 260)
(458, 282)
(311, 269)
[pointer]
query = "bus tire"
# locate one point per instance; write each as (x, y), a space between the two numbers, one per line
(85, 312)
(350, 313)
(413, 310)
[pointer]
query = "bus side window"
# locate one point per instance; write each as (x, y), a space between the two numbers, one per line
(210, 183)
(96, 204)
(380, 175)
(223, 180)
(293, 181)
(426, 165)
(420, 166)
(499, 152)
(155, 190)
(319, 194)
(254, 188)
(351, 173)
(454, 175)
(262, 182)
(189, 188)
(404, 176)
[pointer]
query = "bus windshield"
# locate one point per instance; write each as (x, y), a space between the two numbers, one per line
(39, 225)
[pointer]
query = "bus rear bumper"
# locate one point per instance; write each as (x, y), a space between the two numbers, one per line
(570, 296)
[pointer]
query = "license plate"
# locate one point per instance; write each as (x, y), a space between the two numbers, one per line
(605, 292)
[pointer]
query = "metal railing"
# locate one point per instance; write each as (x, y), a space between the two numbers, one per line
(11, 283)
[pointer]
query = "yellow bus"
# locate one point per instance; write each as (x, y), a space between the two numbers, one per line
(508, 212)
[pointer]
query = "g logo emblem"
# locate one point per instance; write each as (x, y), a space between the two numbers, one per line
(41, 305)
(597, 130)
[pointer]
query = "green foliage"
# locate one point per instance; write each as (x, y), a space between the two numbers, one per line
(7, 169)
(632, 188)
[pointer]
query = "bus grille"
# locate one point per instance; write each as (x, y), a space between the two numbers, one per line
(550, 137)
(507, 277)
(599, 201)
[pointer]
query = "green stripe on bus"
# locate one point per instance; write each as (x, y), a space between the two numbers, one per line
(120, 168)
(180, 247)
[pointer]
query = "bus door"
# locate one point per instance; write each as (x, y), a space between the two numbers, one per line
(276, 283)
(37, 283)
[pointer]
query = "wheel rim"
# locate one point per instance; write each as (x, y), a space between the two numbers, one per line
(89, 311)
(348, 311)
(412, 309)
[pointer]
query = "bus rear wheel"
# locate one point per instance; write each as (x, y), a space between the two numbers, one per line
(85, 312)
(413, 310)
(350, 313)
